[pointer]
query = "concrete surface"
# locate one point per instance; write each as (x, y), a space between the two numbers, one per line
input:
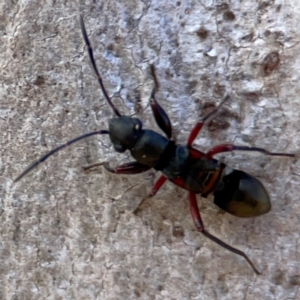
(66, 234)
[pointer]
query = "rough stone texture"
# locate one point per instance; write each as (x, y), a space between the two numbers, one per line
(70, 235)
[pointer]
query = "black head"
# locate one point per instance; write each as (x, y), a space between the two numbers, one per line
(124, 132)
(242, 195)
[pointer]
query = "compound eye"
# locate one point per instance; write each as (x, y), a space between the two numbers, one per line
(138, 125)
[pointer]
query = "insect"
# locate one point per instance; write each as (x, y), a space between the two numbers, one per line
(235, 191)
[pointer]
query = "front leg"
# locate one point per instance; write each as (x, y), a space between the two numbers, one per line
(129, 168)
(161, 117)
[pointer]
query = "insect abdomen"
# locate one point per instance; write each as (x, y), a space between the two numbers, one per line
(242, 195)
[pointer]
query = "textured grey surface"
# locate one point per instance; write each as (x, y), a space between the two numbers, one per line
(70, 235)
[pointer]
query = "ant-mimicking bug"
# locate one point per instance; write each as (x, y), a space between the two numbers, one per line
(235, 191)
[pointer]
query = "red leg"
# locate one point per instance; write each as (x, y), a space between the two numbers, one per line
(129, 168)
(230, 147)
(200, 226)
(196, 213)
(204, 120)
(158, 184)
(194, 133)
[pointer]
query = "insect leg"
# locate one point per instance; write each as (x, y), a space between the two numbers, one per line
(204, 120)
(158, 184)
(200, 226)
(43, 158)
(230, 147)
(129, 168)
(159, 113)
